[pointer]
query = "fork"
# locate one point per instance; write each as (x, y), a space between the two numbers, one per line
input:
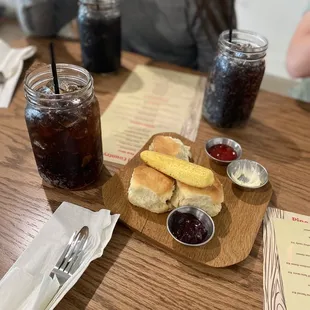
(70, 259)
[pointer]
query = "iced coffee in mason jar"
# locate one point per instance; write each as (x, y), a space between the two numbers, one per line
(64, 129)
(235, 79)
(100, 34)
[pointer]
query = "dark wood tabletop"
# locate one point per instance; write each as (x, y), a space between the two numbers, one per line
(133, 273)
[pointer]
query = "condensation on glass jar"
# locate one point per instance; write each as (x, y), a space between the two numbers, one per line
(235, 79)
(100, 35)
(64, 129)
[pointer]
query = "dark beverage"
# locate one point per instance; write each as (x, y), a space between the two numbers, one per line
(100, 34)
(235, 80)
(64, 129)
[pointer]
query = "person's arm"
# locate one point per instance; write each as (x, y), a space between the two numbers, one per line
(206, 27)
(45, 17)
(298, 54)
(205, 49)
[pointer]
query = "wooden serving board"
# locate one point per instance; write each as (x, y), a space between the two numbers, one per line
(236, 226)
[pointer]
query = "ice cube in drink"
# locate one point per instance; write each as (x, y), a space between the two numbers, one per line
(65, 134)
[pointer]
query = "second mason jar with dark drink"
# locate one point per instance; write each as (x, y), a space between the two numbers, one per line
(235, 79)
(100, 34)
(64, 129)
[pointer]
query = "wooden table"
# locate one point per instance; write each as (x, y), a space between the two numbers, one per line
(134, 274)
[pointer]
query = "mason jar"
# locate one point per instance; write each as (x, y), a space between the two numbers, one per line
(235, 79)
(64, 129)
(100, 35)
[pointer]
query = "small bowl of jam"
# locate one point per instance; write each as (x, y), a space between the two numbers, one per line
(223, 150)
(190, 226)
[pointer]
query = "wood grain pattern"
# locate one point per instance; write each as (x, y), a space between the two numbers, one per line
(133, 273)
(274, 298)
(273, 283)
(236, 226)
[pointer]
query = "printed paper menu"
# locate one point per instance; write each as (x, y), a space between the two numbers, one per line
(293, 244)
(273, 284)
(151, 101)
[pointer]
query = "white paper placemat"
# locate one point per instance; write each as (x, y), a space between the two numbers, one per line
(151, 101)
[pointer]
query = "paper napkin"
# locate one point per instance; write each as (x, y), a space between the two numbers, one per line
(27, 285)
(11, 65)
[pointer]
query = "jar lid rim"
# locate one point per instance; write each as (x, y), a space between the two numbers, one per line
(98, 3)
(46, 69)
(224, 39)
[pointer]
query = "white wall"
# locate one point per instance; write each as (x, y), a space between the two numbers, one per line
(276, 20)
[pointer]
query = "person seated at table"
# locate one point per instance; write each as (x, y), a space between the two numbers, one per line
(182, 32)
(297, 60)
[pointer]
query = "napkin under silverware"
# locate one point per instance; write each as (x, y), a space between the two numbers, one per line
(27, 285)
(11, 66)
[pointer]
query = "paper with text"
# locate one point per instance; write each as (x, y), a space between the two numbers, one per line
(151, 101)
(293, 244)
(273, 284)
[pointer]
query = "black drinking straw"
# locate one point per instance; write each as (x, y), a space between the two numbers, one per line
(54, 70)
(231, 19)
